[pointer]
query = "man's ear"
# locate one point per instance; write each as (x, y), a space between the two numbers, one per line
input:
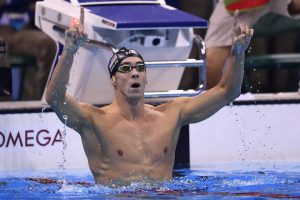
(113, 80)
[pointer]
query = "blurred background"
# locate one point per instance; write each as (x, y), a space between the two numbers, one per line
(30, 53)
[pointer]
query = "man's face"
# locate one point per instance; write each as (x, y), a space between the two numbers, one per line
(132, 83)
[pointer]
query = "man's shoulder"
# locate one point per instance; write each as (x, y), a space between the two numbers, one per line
(94, 109)
(175, 103)
(87, 106)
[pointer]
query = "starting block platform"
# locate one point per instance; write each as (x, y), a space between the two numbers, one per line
(163, 35)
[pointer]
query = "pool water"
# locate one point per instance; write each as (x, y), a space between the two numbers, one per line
(188, 183)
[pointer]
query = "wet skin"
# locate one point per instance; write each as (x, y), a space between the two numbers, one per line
(121, 148)
(129, 140)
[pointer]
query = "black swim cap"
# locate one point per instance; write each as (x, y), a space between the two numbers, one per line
(118, 57)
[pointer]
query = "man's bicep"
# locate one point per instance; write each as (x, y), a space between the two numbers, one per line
(202, 106)
(73, 113)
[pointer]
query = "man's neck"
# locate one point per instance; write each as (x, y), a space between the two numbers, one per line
(131, 109)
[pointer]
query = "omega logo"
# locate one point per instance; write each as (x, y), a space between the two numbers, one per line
(30, 138)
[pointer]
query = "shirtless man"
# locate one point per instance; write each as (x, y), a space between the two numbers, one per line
(134, 141)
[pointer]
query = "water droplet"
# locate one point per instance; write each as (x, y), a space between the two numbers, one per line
(68, 85)
(65, 117)
(42, 111)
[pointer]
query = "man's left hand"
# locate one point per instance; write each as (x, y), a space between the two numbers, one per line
(241, 36)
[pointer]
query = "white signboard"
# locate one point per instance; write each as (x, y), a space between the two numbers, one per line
(37, 141)
(250, 133)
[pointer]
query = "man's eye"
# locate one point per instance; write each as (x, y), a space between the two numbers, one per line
(125, 67)
(140, 67)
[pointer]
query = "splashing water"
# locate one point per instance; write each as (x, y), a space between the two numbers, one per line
(187, 184)
(63, 139)
(68, 85)
(64, 159)
(65, 118)
(42, 111)
(249, 49)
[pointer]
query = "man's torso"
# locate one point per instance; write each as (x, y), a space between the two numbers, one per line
(123, 150)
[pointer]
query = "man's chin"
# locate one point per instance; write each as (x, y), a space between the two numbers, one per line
(135, 96)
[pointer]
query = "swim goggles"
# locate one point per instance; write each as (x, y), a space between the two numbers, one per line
(126, 68)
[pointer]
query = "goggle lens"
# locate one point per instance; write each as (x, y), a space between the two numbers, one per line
(126, 68)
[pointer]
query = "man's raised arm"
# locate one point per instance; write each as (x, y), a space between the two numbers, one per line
(203, 106)
(65, 106)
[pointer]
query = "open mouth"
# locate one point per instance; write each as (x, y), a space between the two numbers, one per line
(135, 85)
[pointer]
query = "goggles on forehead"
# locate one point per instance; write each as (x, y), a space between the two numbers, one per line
(126, 68)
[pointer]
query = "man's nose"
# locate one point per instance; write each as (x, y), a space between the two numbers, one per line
(134, 73)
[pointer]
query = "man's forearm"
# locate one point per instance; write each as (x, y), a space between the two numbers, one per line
(57, 87)
(74, 38)
(232, 78)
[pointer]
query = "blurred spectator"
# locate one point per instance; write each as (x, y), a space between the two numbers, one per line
(24, 39)
(218, 38)
(5, 75)
(274, 33)
(202, 9)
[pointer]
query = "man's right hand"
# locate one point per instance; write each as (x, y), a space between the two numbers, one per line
(75, 36)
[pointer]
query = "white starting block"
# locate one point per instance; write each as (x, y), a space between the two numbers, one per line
(162, 34)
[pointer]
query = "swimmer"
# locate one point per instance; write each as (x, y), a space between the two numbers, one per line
(128, 140)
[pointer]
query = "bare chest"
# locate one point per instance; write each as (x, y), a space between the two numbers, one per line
(141, 142)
